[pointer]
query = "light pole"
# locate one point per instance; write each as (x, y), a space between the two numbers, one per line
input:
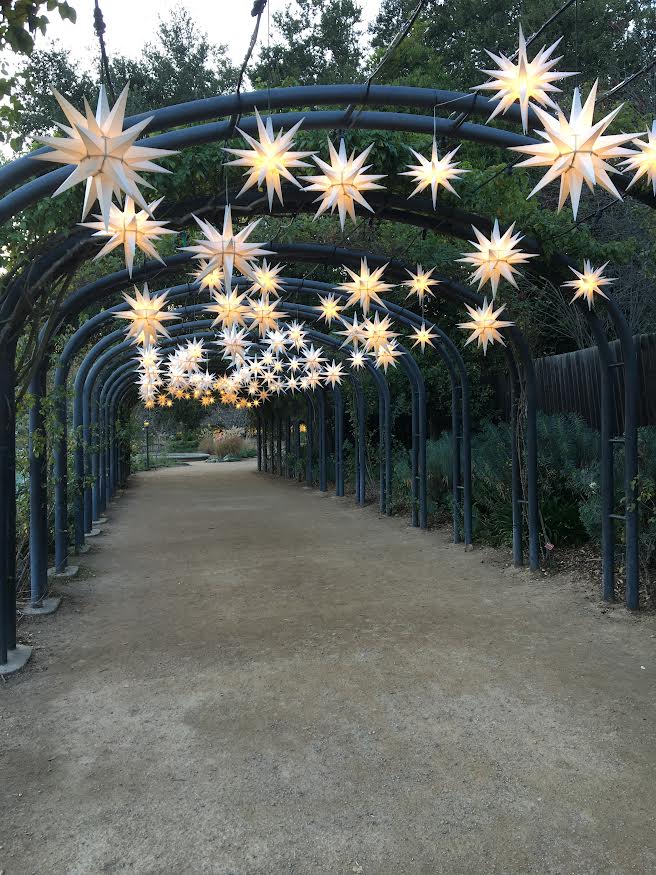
(146, 426)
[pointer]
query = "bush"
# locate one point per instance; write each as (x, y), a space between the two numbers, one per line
(229, 442)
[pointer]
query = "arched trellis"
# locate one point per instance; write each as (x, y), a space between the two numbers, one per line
(17, 172)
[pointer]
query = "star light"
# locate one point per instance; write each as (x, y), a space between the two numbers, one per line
(208, 277)
(234, 342)
(576, 151)
(357, 359)
(329, 308)
(485, 324)
(387, 355)
(292, 384)
(294, 365)
(228, 308)
(226, 249)
(434, 171)
(423, 336)
(333, 373)
(420, 283)
(207, 400)
(277, 341)
(523, 80)
(312, 358)
(342, 182)
(313, 379)
(131, 229)
(589, 283)
(193, 354)
(644, 162)
(495, 257)
(377, 332)
(265, 279)
(353, 332)
(269, 159)
(263, 313)
(296, 335)
(366, 286)
(147, 316)
(103, 153)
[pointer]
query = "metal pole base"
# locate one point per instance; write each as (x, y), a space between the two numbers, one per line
(69, 571)
(45, 607)
(16, 659)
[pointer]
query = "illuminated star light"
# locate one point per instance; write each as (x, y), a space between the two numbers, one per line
(225, 248)
(265, 279)
(228, 308)
(423, 336)
(644, 162)
(329, 308)
(235, 343)
(312, 358)
(353, 332)
(377, 332)
(269, 159)
(263, 313)
(366, 286)
(212, 279)
(277, 341)
(296, 335)
(103, 153)
(333, 373)
(485, 324)
(342, 182)
(496, 257)
(576, 151)
(387, 355)
(131, 229)
(357, 359)
(589, 283)
(420, 283)
(434, 172)
(147, 316)
(523, 81)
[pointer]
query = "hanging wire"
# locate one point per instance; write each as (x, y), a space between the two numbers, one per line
(99, 27)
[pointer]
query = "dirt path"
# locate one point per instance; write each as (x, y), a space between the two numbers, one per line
(256, 678)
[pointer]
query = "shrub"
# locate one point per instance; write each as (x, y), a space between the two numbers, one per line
(227, 442)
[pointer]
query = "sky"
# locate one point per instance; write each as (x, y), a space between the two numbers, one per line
(131, 23)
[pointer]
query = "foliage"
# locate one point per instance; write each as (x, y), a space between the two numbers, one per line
(229, 442)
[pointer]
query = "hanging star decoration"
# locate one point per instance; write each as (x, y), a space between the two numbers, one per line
(589, 283)
(131, 229)
(264, 314)
(102, 153)
(329, 308)
(270, 158)
(208, 277)
(522, 80)
(434, 172)
(644, 161)
(387, 355)
(265, 279)
(485, 324)
(342, 182)
(333, 373)
(576, 151)
(234, 342)
(147, 316)
(228, 309)
(296, 335)
(423, 336)
(353, 332)
(366, 286)
(226, 249)
(277, 341)
(377, 332)
(357, 359)
(313, 359)
(420, 283)
(495, 257)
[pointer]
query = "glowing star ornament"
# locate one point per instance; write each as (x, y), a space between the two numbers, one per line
(313, 359)
(377, 332)
(387, 355)
(576, 151)
(485, 325)
(357, 360)
(420, 283)
(522, 80)
(277, 341)
(292, 384)
(208, 277)
(329, 308)
(333, 373)
(589, 283)
(342, 182)
(293, 365)
(226, 249)
(235, 343)
(193, 354)
(263, 313)
(265, 279)
(434, 172)
(296, 335)
(102, 153)
(423, 336)
(207, 400)
(366, 286)
(353, 332)
(270, 158)
(131, 229)
(495, 257)
(644, 162)
(147, 316)
(228, 309)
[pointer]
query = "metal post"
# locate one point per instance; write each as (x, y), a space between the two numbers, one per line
(259, 442)
(309, 440)
(146, 426)
(321, 403)
(38, 470)
(339, 441)
(7, 503)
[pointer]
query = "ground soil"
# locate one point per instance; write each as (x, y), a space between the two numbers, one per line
(253, 678)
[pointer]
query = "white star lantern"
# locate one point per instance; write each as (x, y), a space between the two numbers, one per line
(228, 309)
(485, 324)
(589, 283)
(420, 283)
(523, 81)
(269, 159)
(434, 172)
(103, 154)
(147, 316)
(131, 229)
(342, 182)
(366, 286)
(644, 161)
(495, 257)
(576, 151)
